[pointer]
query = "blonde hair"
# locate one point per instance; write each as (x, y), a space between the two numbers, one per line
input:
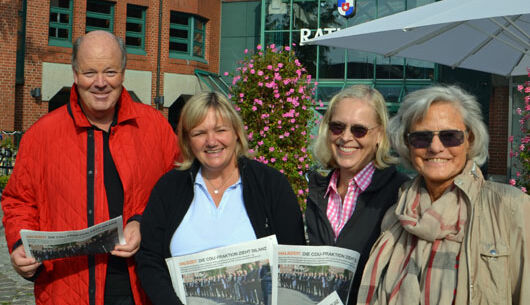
(321, 148)
(194, 113)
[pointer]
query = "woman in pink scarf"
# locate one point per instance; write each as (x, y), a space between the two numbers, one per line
(453, 237)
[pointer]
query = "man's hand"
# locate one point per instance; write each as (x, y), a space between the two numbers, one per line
(132, 236)
(22, 264)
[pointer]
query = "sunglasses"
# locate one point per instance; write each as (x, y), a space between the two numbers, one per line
(358, 131)
(423, 139)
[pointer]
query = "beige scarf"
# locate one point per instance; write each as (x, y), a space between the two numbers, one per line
(416, 260)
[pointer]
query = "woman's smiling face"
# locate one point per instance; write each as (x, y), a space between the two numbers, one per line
(350, 153)
(439, 165)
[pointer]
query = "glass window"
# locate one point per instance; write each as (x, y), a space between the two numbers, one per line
(305, 14)
(360, 65)
(277, 14)
(417, 69)
(331, 63)
(389, 68)
(60, 26)
(389, 7)
(330, 17)
(307, 54)
(187, 34)
(325, 94)
(99, 16)
(135, 29)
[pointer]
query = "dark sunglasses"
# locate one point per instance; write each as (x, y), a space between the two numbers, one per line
(423, 139)
(358, 131)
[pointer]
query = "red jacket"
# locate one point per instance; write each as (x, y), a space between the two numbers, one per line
(50, 188)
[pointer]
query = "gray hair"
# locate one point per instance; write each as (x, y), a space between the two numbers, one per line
(414, 108)
(321, 148)
(119, 41)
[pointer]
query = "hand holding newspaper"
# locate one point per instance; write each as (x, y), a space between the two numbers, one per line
(101, 238)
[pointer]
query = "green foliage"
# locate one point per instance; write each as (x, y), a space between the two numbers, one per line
(522, 145)
(273, 93)
(7, 158)
(3, 181)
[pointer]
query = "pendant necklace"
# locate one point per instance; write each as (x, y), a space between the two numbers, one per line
(216, 189)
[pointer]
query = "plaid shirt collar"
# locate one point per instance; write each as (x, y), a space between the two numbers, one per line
(361, 180)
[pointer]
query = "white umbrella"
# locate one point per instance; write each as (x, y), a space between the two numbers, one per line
(486, 35)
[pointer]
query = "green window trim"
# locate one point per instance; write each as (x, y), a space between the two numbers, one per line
(133, 49)
(101, 16)
(190, 42)
(213, 81)
(57, 41)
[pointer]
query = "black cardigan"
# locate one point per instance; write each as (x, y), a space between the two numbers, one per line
(269, 200)
(364, 226)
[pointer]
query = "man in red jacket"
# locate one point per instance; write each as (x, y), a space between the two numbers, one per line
(93, 159)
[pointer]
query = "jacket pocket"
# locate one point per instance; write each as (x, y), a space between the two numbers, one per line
(492, 274)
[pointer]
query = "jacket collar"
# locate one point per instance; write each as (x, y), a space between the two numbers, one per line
(125, 108)
(470, 180)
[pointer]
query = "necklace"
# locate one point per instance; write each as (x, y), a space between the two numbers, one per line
(224, 182)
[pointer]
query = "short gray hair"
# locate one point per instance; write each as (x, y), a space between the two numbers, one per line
(321, 148)
(119, 41)
(414, 108)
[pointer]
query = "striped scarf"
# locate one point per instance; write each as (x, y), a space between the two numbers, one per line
(415, 261)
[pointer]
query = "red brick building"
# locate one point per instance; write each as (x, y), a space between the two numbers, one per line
(173, 50)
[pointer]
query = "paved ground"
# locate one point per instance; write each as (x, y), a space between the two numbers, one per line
(13, 288)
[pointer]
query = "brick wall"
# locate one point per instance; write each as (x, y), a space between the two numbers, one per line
(19, 110)
(498, 130)
(8, 49)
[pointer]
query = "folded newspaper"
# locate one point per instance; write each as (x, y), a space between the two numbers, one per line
(308, 274)
(263, 272)
(101, 238)
(234, 274)
(332, 299)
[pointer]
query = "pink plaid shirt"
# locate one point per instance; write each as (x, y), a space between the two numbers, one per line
(338, 212)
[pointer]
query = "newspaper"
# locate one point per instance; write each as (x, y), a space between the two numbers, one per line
(307, 274)
(332, 299)
(235, 274)
(100, 238)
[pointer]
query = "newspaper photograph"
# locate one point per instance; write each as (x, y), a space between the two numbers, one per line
(308, 274)
(332, 299)
(244, 273)
(101, 238)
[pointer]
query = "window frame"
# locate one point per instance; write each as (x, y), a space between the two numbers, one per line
(190, 42)
(142, 21)
(56, 41)
(109, 16)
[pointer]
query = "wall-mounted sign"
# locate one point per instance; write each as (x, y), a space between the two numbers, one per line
(305, 34)
(346, 7)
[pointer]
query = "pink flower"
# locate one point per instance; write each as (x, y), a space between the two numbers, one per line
(260, 73)
(254, 108)
(287, 48)
(512, 181)
(523, 189)
(284, 158)
(272, 46)
(269, 67)
(280, 65)
(301, 159)
(301, 173)
(300, 192)
(246, 51)
(273, 160)
(258, 47)
(271, 149)
(266, 128)
(226, 74)
(510, 139)
(260, 143)
(519, 111)
(252, 71)
(281, 171)
(260, 84)
(520, 88)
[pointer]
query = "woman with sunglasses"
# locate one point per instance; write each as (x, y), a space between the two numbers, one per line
(453, 237)
(345, 208)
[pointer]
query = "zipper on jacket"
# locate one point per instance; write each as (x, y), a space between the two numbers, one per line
(90, 153)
